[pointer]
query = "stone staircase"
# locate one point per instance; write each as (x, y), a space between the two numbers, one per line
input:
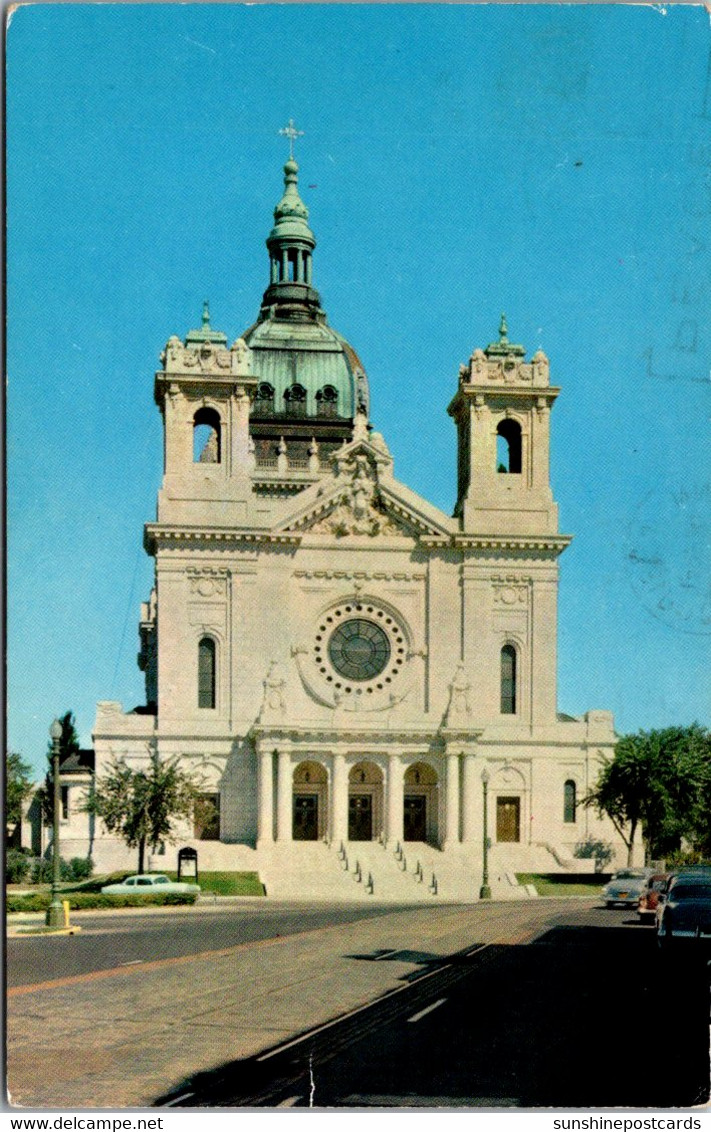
(400, 873)
(408, 873)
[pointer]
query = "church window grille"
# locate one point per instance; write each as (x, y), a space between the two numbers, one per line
(569, 801)
(295, 398)
(508, 447)
(65, 802)
(327, 402)
(207, 669)
(206, 437)
(264, 400)
(508, 680)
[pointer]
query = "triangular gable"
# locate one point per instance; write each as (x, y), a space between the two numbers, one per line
(362, 498)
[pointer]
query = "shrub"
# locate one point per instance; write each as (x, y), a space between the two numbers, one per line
(39, 901)
(601, 851)
(80, 868)
(17, 866)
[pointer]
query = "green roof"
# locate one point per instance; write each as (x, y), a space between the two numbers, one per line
(310, 354)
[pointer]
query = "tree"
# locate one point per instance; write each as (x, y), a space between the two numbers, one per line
(18, 786)
(659, 782)
(142, 806)
(68, 745)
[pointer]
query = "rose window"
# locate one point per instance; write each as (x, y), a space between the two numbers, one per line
(359, 649)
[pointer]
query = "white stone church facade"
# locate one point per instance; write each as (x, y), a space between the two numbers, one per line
(339, 661)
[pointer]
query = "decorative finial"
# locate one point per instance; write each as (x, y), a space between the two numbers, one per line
(503, 329)
(291, 133)
(206, 314)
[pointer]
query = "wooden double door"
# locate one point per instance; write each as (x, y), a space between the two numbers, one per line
(415, 817)
(508, 819)
(360, 817)
(305, 827)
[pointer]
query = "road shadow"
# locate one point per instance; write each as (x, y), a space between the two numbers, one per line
(591, 1017)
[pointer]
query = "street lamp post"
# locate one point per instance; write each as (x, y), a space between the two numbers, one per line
(55, 912)
(485, 890)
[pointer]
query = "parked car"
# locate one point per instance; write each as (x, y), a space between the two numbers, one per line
(684, 911)
(147, 884)
(626, 887)
(648, 901)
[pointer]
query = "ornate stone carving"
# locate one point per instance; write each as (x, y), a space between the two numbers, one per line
(273, 703)
(241, 357)
(359, 509)
(208, 581)
(511, 590)
(459, 706)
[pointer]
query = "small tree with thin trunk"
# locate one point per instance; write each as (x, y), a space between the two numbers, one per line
(142, 806)
(18, 786)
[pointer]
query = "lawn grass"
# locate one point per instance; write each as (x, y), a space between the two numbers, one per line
(564, 884)
(227, 884)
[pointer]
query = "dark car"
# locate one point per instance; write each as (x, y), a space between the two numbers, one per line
(648, 901)
(684, 911)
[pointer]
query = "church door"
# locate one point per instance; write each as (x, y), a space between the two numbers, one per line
(305, 817)
(360, 817)
(415, 823)
(508, 819)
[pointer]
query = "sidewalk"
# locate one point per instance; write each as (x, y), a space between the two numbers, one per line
(119, 1039)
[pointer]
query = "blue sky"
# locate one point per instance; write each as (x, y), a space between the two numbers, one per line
(549, 161)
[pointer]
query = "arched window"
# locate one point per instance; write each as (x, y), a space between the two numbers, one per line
(264, 400)
(207, 670)
(508, 680)
(508, 446)
(206, 437)
(327, 401)
(295, 398)
(569, 802)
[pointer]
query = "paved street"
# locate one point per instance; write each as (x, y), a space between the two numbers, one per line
(556, 1003)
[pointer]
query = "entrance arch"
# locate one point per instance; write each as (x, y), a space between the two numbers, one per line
(421, 804)
(365, 802)
(310, 802)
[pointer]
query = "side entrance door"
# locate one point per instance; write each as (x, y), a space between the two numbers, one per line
(415, 818)
(360, 817)
(508, 819)
(305, 817)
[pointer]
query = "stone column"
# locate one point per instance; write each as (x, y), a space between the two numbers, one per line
(284, 266)
(451, 817)
(265, 817)
(308, 269)
(299, 266)
(470, 798)
(284, 796)
(339, 800)
(396, 799)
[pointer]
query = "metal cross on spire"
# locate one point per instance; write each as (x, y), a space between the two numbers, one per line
(291, 133)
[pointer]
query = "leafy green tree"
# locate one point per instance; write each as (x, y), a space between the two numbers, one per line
(142, 806)
(18, 786)
(659, 783)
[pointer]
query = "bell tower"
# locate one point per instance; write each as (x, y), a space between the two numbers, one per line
(502, 413)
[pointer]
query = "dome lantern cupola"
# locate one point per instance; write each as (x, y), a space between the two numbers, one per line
(290, 244)
(312, 389)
